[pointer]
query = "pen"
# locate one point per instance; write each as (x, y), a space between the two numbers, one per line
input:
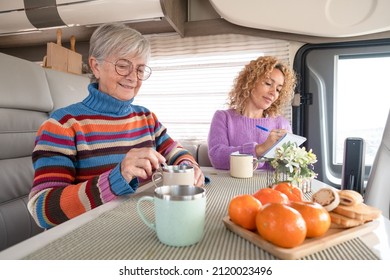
(262, 128)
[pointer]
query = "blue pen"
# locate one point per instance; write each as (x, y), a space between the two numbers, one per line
(262, 128)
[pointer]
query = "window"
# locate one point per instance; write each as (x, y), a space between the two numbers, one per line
(361, 108)
(345, 84)
(192, 77)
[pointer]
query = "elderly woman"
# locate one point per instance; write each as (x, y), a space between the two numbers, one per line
(261, 91)
(93, 151)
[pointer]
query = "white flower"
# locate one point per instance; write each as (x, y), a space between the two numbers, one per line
(296, 162)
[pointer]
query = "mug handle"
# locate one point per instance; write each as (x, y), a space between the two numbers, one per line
(255, 163)
(141, 214)
(156, 175)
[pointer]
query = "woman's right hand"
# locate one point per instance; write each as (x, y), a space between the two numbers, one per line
(140, 162)
(272, 138)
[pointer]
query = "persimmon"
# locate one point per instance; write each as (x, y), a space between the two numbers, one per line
(269, 195)
(316, 217)
(293, 193)
(281, 225)
(243, 209)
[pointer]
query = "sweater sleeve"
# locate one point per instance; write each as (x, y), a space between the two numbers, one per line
(172, 150)
(230, 133)
(59, 191)
(220, 148)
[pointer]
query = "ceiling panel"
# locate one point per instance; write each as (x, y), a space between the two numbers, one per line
(326, 18)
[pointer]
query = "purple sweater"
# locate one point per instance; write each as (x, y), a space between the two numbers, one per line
(231, 132)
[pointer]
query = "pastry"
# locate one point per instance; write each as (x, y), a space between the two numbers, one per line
(350, 197)
(328, 197)
(359, 211)
(340, 221)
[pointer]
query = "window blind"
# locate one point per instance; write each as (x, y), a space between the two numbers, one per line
(192, 77)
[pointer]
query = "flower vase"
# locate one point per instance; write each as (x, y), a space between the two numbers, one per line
(304, 184)
(274, 177)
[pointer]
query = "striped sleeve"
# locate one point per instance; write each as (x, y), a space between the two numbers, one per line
(173, 151)
(59, 191)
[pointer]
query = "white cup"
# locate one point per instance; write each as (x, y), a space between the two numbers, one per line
(174, 175)
(242, 165)
(179, 214)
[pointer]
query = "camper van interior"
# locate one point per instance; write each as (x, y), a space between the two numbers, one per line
(340, 50)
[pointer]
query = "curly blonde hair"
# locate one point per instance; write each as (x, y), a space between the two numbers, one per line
(247, 79)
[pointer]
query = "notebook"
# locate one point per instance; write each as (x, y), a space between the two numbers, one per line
(288, 137)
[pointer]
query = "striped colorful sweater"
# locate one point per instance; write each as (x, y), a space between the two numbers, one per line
(78, 151)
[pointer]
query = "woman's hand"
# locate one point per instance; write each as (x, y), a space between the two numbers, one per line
(198, 176)
(140, 162)
(272, 138)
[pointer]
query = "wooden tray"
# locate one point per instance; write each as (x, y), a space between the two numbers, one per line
(309, 246)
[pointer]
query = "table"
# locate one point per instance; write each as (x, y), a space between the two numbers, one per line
(114, 231)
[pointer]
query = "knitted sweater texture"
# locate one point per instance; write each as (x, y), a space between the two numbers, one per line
(231, 132)
(78, 152)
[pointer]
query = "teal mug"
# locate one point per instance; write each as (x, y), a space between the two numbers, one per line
(179, 214)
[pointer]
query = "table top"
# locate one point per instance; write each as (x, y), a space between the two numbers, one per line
(115, 231)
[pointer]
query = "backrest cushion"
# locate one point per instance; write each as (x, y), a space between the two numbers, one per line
(203, 155)
(66, 88)
(23, 85)
(25, 101)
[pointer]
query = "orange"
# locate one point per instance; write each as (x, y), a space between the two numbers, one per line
(293, 193)
(243, 209)
(316, 217)
(281, 225)
(269, 195)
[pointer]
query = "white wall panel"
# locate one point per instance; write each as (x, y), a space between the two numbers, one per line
(96, 12)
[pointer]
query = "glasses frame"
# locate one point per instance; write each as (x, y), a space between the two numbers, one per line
(130, 69)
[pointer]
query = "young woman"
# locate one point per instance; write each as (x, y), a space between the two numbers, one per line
(260, 92)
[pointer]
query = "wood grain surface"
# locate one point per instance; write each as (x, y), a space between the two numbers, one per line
(309, 246)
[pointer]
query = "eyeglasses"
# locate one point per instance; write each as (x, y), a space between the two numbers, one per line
(124, 67)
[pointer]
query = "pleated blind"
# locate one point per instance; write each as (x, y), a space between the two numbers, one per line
(192, 77)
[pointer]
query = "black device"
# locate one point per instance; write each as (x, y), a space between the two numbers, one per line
(353, 164)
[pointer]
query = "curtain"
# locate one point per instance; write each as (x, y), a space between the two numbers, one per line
(192, 77)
